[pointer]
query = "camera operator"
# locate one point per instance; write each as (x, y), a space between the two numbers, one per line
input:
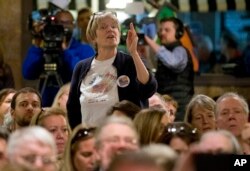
(71, 53)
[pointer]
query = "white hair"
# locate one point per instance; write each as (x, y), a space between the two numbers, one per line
(26, 135)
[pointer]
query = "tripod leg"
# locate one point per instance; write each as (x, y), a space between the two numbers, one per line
(44, 84)
(59, 80)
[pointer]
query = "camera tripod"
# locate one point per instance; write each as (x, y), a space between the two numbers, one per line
(49, 78)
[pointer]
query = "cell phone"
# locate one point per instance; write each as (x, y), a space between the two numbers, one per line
(141, 39)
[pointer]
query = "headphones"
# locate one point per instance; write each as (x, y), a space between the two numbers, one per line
(179, 28)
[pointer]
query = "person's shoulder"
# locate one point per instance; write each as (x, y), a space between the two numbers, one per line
(123, 54)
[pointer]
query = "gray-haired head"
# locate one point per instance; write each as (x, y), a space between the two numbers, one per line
(220, 146)
(234, 95)
(123, 120)
(163, 155)
(27, 135)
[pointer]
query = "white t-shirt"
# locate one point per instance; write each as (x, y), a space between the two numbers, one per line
(98, 91)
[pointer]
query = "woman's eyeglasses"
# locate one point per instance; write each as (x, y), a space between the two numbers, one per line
(82, 133)
(104, 13)
(101, 13)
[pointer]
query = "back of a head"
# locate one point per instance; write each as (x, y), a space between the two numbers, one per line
(148, 124)
(128, 108)
(164, 155)
(133, 161)
(211, 142)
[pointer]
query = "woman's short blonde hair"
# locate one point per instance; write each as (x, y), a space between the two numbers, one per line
(95, 20)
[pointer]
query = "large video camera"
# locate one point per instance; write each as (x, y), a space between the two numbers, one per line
(43, 26)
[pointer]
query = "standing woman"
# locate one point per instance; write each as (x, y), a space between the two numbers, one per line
(109, 76)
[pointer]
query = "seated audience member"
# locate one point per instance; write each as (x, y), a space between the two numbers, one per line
(61, 97)
(66, 58)
(149, 124)
(4, 136)
(213, 152)
(219, 141)
(32, 147)
(232, 114)
(115, 136)
(163, 155)
(124, 107)
(55, 121)
(200, 113)
(156, 100)
(172, 105)
(134, 161)
(80, 153)
(6, 95)
(179, 136)
(25, 104)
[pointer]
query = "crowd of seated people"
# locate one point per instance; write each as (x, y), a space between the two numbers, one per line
(137, 128)
(134, 134)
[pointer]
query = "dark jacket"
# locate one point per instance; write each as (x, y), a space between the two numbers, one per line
(135, 92)
(179, 85)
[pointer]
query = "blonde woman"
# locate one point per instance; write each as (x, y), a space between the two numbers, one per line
(109, 76)
(80, 153)
(61, 97)
(150, 124)
(55, 121)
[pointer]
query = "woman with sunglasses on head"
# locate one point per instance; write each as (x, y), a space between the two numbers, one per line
(179, 136)
(110, 76)
(80, 154)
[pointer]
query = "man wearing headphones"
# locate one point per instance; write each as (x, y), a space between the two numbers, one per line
(174, 66)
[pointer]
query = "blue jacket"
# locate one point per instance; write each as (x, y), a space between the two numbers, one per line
(33, 65)
(34, 61)
(135, 92)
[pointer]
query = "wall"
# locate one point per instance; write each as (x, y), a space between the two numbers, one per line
(14, 34)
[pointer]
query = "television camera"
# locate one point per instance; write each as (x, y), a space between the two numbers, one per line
(44, 27)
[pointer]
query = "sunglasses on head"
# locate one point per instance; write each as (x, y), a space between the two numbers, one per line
(83, 133)
(180, 128)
